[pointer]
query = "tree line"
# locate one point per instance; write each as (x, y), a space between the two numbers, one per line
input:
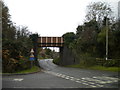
(87, 44)
(17, 42)
(89, 41)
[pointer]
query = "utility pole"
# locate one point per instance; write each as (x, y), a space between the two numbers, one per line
(106, 38)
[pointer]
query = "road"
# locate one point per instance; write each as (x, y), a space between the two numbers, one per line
(53, 76)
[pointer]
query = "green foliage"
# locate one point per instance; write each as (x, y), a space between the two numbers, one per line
(15, 43)
(113, 69)
(89, 42)
(31, 70)
(34, 39)
(102, 36)
(56, 61)
(87, 60)
(48, 51)
(68, 38)
(112, 63)
(23, 64)
(9, 64)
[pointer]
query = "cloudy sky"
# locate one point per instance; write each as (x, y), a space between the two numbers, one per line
(51, 17)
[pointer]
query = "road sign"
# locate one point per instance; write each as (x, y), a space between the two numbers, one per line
(31, 55)
(32, 51)
(32, 58)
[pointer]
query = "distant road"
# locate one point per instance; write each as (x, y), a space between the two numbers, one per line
(53, 76)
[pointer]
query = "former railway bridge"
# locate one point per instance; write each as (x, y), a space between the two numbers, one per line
(66, 56)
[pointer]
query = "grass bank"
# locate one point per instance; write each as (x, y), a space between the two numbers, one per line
(113, 69)
(31, 70)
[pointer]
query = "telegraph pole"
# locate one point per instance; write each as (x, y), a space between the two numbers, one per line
(106, 38)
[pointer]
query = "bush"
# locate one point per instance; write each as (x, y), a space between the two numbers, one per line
(56, 61)
(108, 63)
(100, 61)
(23, 64)
(8, 64)
(11, 65)
(87, 60)
(112, 63)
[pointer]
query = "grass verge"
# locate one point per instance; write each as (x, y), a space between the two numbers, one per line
(113, 69)
(31, 70)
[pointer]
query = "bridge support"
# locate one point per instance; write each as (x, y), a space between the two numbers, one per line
(66, 56)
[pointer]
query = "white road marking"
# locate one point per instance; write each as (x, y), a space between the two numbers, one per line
(18, 79)
(63, 76)
(95, 80)
(71, 77)
(67, 78)
(112, 78)
(18, 87)
(92, 82)
(85, 83)
(78, 81)
(59, 75)
(108, 78)
(99, 85)
(92, 86)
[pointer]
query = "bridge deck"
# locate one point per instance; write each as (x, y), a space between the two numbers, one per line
(50, 41)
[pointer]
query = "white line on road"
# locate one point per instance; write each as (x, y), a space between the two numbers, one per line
(92, 82)
(95, 80)
(67, 78)
(18, 79)
(109, 79)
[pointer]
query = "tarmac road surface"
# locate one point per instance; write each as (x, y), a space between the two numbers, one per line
(54, 76)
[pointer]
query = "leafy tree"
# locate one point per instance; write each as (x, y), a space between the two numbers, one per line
(8, 29)
(68, 38)
(16, 44)
(89, 42)
(114, 41)
(48, 51)
(34, 38)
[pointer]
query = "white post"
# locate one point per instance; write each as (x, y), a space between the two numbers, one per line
(32, 51)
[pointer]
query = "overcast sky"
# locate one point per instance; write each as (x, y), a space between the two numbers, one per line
(50, 17)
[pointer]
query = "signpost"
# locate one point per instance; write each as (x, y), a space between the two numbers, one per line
(32, 58)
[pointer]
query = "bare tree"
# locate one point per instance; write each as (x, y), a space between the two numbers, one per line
(97, 11)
